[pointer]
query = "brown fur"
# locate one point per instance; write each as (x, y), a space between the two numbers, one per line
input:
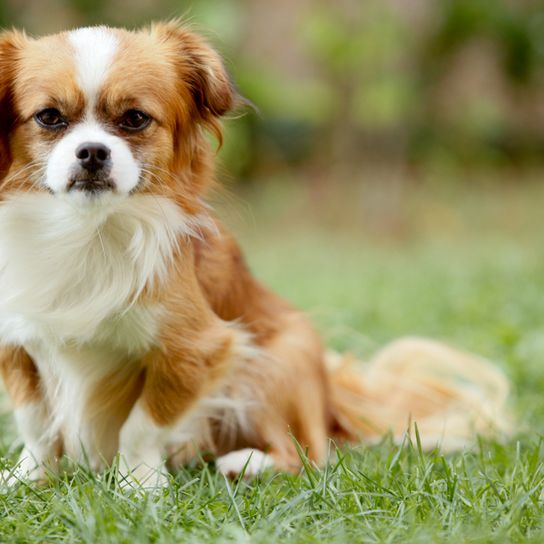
(184, 367)
(295, 350)
(20, 375)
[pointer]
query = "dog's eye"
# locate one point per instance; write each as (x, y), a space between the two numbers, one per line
(51, 118)
(134, 120)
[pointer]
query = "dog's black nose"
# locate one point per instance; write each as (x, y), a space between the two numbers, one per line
(93, 156)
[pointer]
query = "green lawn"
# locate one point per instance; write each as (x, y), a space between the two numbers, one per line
(463, 265)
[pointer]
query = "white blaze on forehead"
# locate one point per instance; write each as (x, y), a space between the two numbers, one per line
(94, 49)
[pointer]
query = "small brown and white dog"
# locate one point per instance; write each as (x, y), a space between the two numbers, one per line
(128, 319)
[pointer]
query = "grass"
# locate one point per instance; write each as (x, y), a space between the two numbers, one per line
(469, 271)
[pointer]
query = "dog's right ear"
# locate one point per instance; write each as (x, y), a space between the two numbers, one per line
(10, 42)
(201, 69)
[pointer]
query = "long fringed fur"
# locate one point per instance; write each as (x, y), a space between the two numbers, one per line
(451, 396)
(72, 266)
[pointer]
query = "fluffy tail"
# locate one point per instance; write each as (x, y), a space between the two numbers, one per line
(452, 396)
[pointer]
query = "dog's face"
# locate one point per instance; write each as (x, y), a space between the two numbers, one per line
(101, 111)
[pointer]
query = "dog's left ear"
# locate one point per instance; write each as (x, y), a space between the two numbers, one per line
(201, 69)
(9, 43)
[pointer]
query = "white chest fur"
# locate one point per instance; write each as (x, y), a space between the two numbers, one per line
(70, 275)
(65, 268)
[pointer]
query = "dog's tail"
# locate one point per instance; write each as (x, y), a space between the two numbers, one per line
(451, 396)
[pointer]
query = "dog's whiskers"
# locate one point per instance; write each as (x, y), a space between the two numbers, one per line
(20, 171)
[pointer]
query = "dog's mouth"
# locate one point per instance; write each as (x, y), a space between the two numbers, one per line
(91, 185)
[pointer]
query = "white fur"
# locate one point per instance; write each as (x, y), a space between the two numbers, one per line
(65, 270)
(141, 446)
(38, 450)
(125, 171)
(69, 374)
(69, 278)
(94, 51)
(248, 461)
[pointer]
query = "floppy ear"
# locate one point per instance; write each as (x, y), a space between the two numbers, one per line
(201, 69)
(9, 42)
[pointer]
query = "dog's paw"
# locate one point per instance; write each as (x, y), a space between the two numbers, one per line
(248, 462)
(143, 478)
(26, 470)
(10, 478)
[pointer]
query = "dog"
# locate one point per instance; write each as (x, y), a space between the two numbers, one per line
(130, 325)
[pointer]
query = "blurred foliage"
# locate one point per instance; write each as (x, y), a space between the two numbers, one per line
(521, 44)
(341, 84)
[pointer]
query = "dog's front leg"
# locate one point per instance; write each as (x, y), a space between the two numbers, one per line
(141, 445)
(22, 382)
(178, 375)
(193, 353)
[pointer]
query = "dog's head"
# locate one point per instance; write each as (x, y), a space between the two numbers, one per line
(101, 111)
